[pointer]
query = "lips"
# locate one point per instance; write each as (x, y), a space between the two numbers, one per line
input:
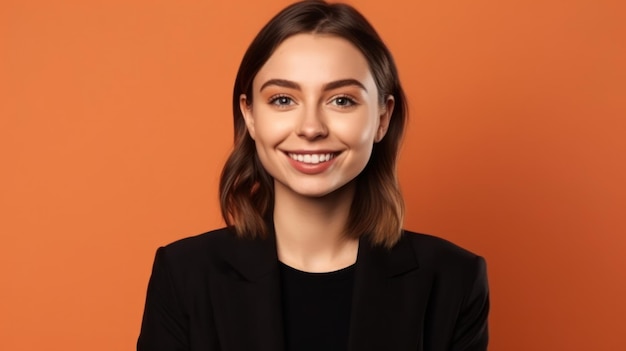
(311, 158)
(311, 162)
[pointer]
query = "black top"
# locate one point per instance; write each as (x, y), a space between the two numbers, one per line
(316, 308)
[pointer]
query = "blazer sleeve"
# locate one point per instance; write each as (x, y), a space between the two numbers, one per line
(164, 325)
(471, 332)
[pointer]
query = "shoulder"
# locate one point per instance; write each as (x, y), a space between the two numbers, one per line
(218, 236)
(199, 249)
(430, 247)
(442, 257)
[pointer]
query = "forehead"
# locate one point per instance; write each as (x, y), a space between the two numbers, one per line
(315, 59)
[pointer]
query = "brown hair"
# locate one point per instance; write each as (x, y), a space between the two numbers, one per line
(247, 190)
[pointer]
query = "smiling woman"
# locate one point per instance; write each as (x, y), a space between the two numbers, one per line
(314, 256)
(331, 113)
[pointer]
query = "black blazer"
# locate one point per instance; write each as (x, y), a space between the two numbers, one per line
(218, 292)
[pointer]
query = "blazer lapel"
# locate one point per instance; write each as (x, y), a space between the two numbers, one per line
(389, 299)
(248, 305)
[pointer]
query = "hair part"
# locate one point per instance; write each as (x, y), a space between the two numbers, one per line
(247, 190)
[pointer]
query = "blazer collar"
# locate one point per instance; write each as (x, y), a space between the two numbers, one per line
(248, 303)
(255, 258)
(390, 293)
(390, 262)
(384, 299)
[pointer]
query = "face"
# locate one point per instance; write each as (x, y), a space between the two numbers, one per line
(315, 114)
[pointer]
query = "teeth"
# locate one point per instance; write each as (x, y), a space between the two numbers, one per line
(312, 158)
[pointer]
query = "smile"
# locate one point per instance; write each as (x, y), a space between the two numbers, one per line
(311, 158)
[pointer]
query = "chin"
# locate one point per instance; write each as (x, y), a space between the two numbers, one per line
(320, 191)
(314, 193)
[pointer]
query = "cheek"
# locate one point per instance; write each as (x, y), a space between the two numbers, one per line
(358, 131)
(268, 135)
(270, 129)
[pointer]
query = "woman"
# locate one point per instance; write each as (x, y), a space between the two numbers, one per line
(314, 257)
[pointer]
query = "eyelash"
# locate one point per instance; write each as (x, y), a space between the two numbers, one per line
(351, 102)
(274, 100)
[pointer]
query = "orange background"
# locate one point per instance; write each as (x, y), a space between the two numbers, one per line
(115, 121)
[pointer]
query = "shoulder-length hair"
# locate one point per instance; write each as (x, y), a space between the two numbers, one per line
(247, 190)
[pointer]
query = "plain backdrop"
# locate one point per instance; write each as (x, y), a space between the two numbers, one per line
(115, 122)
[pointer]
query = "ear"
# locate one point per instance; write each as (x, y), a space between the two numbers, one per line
(385, 117)
(246, 111)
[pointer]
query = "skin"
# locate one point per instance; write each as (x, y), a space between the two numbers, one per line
(315, 95)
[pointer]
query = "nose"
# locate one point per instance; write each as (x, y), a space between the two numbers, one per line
(312, 124)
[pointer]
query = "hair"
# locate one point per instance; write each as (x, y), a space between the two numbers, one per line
(247, 190)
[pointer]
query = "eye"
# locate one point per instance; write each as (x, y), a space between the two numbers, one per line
(343, 101)
(281, 101)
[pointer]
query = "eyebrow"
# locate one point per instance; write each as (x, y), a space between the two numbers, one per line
(328, 86)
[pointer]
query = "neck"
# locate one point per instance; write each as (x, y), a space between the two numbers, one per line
(310, 231)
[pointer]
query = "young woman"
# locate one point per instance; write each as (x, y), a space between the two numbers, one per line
(314, 256)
